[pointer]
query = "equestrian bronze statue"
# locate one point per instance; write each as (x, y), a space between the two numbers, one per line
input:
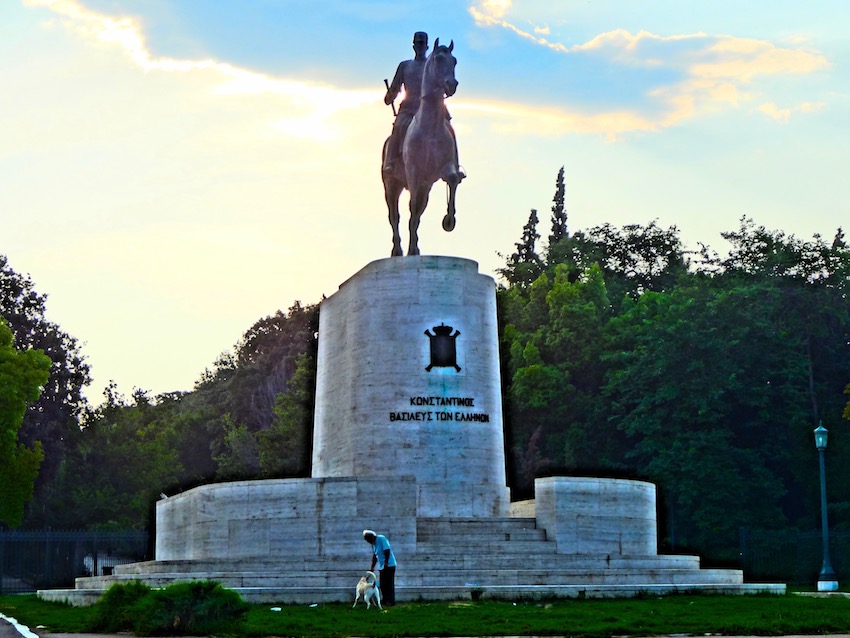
(422, 148)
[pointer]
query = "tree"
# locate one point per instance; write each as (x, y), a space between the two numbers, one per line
(23, 373)
(552, 347)
(235, 402)
(623, 358)
(524, 265)
(709, 398)
(554, 343)
(730, 369)
(559, 214)
(633, 259)
(240, 457)
(53, 418)
(285, 446)
(811, 282)
(126, 454)
(246, 383)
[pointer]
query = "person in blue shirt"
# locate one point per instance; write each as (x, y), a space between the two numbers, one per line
(383, 557)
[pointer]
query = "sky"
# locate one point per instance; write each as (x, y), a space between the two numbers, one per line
(171, 171)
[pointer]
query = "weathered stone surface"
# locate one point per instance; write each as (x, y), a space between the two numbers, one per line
(307, 518)
(598, 516)
(381, 412)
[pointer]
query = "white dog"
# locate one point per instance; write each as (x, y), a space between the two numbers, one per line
(367, 589)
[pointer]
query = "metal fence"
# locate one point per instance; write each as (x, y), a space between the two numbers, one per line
(50, 559)
(790, 556)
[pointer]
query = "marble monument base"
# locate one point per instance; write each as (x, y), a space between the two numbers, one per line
(298, 541)
(408, 441)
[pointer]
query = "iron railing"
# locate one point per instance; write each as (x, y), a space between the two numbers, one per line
(790, 556)
(48, 559)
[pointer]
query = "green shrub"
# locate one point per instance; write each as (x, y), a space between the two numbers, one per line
(198, 607)
(113, 611)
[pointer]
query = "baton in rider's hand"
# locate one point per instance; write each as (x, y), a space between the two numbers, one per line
(392, 104)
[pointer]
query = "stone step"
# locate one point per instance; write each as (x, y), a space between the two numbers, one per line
(454, 521)
(427, 528)
(351, 575)
(342, 578)
(478, 536)
(551, 577)
(479, 545)
(551, 562)
(302, 596)
(435, 561)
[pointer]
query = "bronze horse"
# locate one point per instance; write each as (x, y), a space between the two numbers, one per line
(429, 152)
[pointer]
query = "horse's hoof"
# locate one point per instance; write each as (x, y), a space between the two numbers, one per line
(397, 252)
(448, 223)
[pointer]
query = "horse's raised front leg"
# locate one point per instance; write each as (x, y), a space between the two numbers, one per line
(452, 179)
(418, 202)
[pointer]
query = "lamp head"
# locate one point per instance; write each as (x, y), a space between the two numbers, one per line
(821, 437)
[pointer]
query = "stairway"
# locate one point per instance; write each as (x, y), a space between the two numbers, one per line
(455, 558)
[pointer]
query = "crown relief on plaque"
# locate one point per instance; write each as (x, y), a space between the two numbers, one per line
(443, 347)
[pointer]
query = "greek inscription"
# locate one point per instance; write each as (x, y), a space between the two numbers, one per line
(466, 402)
(411, 416)
(442, 416)
(478, 417)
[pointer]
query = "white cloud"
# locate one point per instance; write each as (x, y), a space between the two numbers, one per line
(220, 78)
(716, 71)
(491, 13)
(494, 9)
(784, 114)
(521, 120)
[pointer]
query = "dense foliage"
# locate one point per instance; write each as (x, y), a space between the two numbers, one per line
(249, 417)
(104, 467)
(22, 375)
(630, 356)
(52, 419)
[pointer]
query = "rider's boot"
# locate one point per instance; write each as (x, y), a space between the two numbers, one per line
(389, 160)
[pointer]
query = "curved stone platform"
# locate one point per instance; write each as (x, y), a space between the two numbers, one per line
(440, 558)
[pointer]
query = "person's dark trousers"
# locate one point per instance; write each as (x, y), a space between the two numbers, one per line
(388, 586)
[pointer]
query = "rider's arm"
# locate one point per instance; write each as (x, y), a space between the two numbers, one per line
(395, 85)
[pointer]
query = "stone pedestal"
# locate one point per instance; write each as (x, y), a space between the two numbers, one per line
(408, 440)
(408, 384)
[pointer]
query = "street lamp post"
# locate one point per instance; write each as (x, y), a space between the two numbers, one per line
(827, 581)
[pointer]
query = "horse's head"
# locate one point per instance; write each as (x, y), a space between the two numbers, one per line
(439, 74)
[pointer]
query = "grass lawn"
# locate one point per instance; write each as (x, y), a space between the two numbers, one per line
(681, 614)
